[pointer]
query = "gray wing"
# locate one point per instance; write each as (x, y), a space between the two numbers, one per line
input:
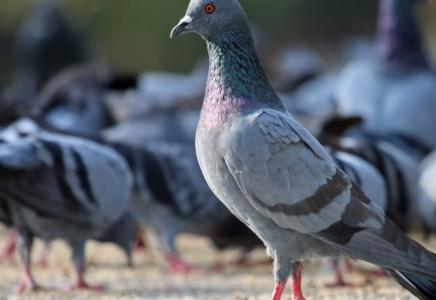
(289, 177)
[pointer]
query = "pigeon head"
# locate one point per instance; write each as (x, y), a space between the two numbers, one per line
(212, 19)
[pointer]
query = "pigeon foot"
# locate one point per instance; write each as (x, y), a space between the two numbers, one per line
(177, 266)
(9, 247)
(27, 284)
(297, 293)
(83, 285)
(339, 279)
(278, 290)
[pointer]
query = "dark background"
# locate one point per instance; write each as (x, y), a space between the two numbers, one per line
(133, 35)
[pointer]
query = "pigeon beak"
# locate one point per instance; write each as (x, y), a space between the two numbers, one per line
(181, 27)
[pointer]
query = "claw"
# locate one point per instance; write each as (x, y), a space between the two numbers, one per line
(83, 285)
(177, 266)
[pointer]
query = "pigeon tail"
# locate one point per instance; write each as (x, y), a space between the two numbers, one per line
(421, 287)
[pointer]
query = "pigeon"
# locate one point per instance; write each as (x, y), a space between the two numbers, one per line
(379, 90)
(59, 187)
(46, 44)
(171, 197)
(276, 177)
(72, 101)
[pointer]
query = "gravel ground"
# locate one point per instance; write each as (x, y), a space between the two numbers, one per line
(148, 279)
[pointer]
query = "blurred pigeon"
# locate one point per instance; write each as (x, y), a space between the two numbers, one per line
(62, 187)
(127, 225)
(171, 197)
(395, 93)
(73, 101)
(275, 176)
(46, 44)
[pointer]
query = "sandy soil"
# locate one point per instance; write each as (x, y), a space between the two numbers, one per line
(149, 280)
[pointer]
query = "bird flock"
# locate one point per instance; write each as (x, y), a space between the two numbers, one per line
(314, 163)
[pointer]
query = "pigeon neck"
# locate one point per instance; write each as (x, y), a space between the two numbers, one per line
(399, 41)
(236, 78)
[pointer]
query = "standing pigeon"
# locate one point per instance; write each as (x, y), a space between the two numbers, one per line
(395, 93)
(275, 176)
(58, 187)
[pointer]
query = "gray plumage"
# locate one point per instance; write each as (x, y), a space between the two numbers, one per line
(275, 176)
(58, 187)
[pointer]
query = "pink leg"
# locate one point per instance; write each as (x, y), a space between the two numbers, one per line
(380, 273)
(177, 265)
(297, 293)
(349, 267)
(339, 279)
(81, 283)
(278, 290)
(9, 247)
(27, 282)
(42, 258)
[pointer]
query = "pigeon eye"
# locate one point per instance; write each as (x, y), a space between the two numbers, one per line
(210, 8)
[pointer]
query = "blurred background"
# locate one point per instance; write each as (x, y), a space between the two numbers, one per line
(133, 35)
(107, 70)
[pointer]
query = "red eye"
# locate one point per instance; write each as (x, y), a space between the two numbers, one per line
(210, 8)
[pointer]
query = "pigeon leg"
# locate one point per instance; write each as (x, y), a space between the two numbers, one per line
(42, 257)
(349, 267)
(283, 268)
(297, 293)
(8, 249)
(177, 265)
(339, 279)
(25, 241)
(278, 290)
(380, 273)
(79, 266)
